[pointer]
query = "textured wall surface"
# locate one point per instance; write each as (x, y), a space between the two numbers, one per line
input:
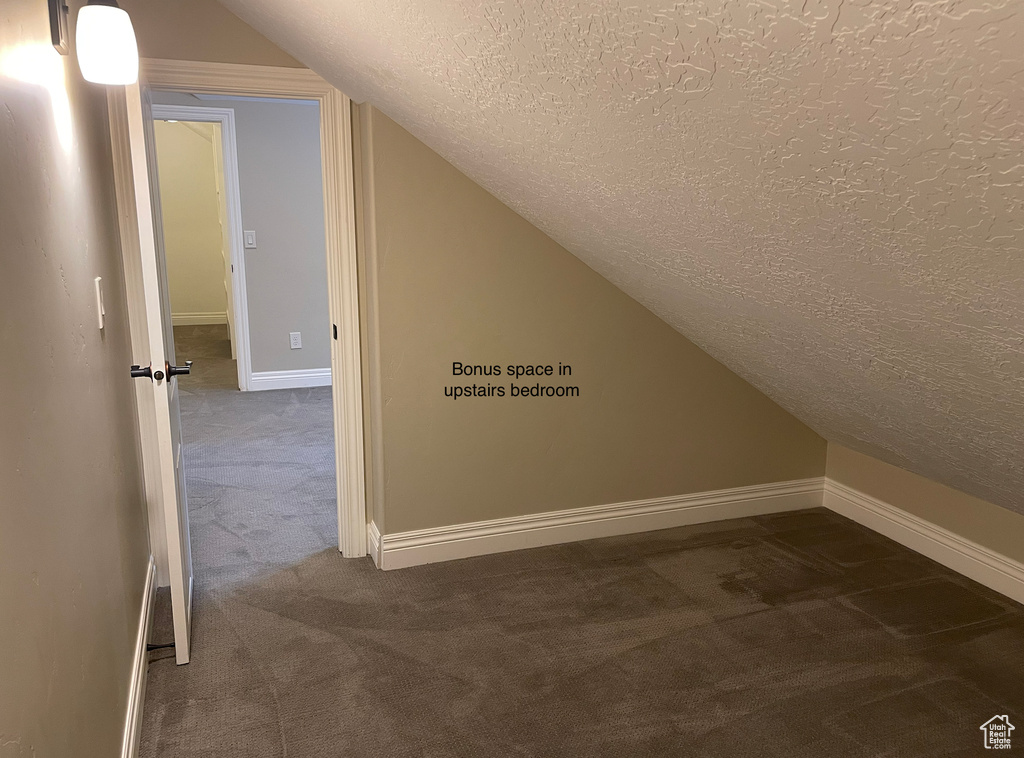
(74, 545)
(827, 196)
(199, 30)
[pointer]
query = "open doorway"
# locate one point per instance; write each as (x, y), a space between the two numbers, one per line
(240, 183)
(151, 326)
(200, 234)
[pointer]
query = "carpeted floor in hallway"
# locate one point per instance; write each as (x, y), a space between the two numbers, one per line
(259, 467)
(792, 635)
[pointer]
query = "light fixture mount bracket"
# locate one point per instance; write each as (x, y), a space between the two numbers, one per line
(59, 31)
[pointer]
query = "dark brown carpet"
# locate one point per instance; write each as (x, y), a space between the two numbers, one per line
(793, 635)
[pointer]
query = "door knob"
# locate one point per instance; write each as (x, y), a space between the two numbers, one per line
(138, 372)
(179, 370)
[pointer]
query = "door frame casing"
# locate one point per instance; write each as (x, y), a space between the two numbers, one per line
(336, 157)
(232, 198)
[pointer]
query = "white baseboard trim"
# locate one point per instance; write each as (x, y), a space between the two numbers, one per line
(404, 549)
(286, 380)
(985, 566)
(414, 548)
(197, 319)
(373, 542)
(137, 686)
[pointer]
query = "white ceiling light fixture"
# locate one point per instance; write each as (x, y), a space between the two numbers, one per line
(105, 43)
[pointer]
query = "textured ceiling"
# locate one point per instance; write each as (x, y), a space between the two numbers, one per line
(827, 196)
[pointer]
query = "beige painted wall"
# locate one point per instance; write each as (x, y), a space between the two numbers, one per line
(200, 30)
(982, 522)
(73, 537)
(282, 200)
(192, 231)
(460, 277)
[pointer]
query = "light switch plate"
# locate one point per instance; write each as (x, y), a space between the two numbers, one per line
(249, 239)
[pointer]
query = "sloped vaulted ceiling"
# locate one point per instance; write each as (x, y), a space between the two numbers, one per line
(828, 196)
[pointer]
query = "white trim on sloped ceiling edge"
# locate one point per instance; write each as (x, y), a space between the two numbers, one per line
(286, 380)
(445, 543)
(983, 565)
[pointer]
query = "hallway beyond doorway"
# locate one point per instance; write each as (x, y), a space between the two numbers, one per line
(259, 468)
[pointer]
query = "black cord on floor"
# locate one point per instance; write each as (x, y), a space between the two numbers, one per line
(158, 647)
(156, 656)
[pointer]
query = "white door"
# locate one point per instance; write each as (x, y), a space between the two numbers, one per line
(164, 384)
